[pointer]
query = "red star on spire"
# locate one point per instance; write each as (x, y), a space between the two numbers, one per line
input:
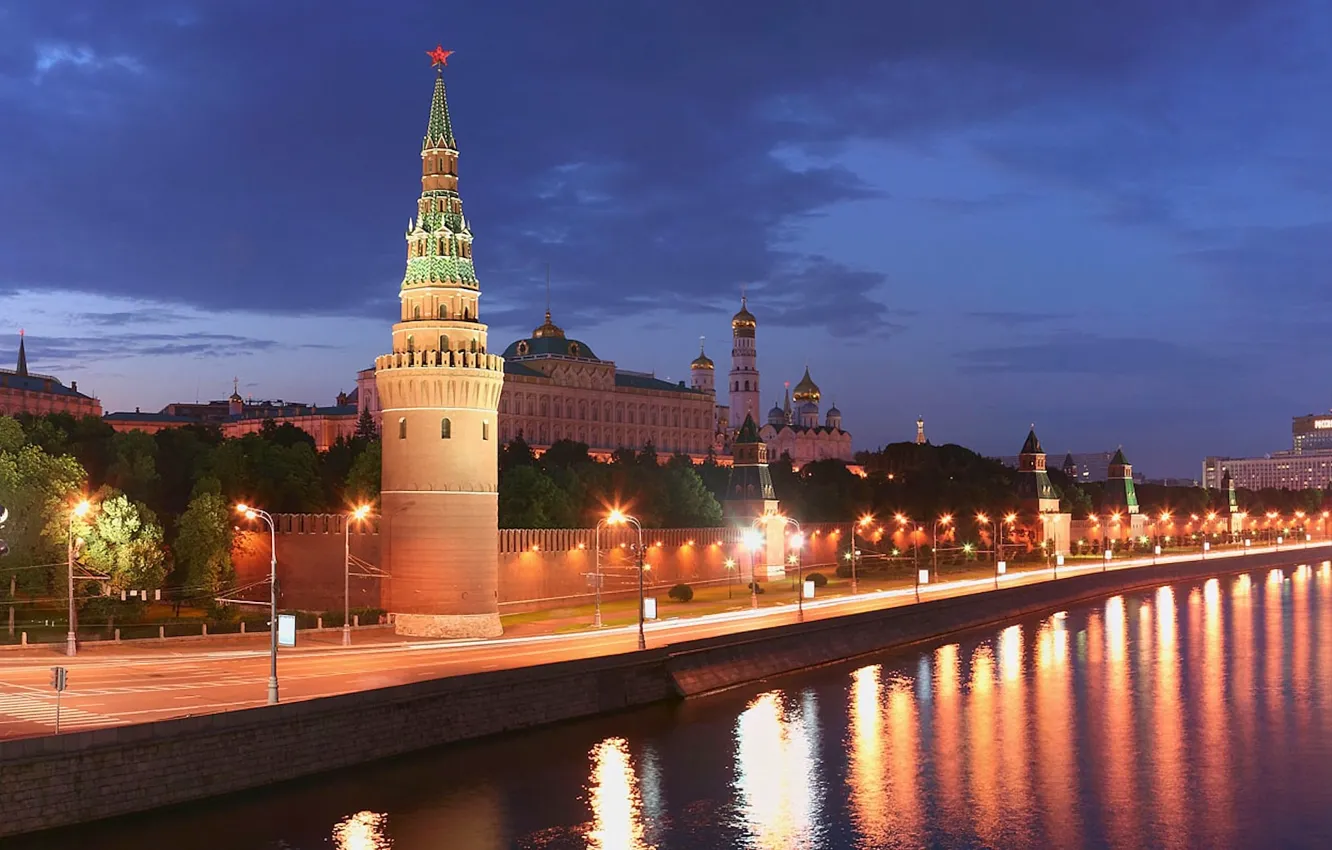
(439, 56)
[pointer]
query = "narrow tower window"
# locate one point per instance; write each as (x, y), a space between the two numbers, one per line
(443, 311)
(485, 430)
(443, 342)
(416, 312)
(402, 428)
(411, 343)
(445, 429)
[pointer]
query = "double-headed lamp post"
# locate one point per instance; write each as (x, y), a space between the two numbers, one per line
(79, 510)
(361, 512)
(619, 517)
(865, 522)
(752, 541)
(252, 513)
(945, 521)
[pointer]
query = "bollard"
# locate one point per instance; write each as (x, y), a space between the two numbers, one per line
(205, 630)
(161, 632)
(117, 635)
(24, 639)
(319, 622)
(356, 620)
(242, 627)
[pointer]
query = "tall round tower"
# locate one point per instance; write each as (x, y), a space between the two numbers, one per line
(744, 367)
(439, 393)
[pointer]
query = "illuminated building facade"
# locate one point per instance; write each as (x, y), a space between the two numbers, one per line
(22, 391)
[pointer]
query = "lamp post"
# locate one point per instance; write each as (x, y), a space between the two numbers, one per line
(359, 514)
(596, 570)
(752, 540)
(251, 513)
(797, 540)
(619, 517)
(79, 510)
(944, 520)
(855, 552)
(730, 576)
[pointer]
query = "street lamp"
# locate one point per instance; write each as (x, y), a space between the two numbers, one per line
(253, 514)
(80, 510)
(864, 523)
(752, 541)
(945, 521)
(619, 517)
(797, 540)
(730, 576)
(359, 514)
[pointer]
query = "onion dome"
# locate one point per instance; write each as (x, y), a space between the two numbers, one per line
(806, 390)
(548, 330)
(743, 319)
(833, 411)
(702, 361)
(776, 416)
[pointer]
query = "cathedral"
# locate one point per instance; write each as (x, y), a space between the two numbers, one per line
(792, 428)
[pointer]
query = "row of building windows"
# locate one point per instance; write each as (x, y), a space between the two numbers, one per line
(472, 346)
(735, 386)
(557, 409)
(445, 429)
(443, 312)
(443, 248)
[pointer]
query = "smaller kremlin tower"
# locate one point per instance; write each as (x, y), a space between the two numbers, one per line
(1039, 499)
(702, 371)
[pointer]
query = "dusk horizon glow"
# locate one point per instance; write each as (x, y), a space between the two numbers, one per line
(1109, 222)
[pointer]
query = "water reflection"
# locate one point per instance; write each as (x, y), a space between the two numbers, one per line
(1193, 715)
(617, 812)
(362, 831)
(776, 771)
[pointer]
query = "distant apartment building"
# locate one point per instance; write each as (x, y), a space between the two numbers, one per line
(1286, 470)
(1307, 464)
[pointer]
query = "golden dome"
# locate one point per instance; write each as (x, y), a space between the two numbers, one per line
(743, 319)
(806, 390)
(548, 330)
(702, 361)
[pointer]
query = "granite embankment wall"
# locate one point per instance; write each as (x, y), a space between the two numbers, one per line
(58, 780)
(537, 567)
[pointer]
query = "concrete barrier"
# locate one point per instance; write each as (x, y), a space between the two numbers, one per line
(60, 780)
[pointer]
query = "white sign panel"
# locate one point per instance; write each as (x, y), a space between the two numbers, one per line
(649, 609)
(1001, 567)
(286, 629)
(809, 590)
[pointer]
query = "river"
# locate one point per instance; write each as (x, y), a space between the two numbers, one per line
(1190, 715)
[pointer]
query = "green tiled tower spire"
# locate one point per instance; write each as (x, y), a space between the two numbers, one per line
(439, 131)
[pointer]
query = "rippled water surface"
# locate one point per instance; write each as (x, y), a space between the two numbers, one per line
(1193, 715)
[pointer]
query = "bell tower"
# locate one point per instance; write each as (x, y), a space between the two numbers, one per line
(439, 392)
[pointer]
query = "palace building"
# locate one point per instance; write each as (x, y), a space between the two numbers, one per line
(22, 391)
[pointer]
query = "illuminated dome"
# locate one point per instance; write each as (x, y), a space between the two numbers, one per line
(548, 330)
(702, 361)
(743, 319)
(776, 416)
(806, 390)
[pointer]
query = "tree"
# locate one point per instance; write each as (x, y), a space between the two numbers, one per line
(122, 539)
(687, 502)
(37, 487)
(203, 545)
(363, 480)
(529, 498)
(365, 426)
(133, 468)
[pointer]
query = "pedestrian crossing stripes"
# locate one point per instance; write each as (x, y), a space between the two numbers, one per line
(40, 709)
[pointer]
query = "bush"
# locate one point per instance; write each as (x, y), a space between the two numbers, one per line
(819, 579)
(755, 586)
(844, 571)
(681, 593)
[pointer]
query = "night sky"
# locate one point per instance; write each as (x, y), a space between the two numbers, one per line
(1109, 219)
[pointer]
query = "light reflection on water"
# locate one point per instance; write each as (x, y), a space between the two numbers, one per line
(1193, 715)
